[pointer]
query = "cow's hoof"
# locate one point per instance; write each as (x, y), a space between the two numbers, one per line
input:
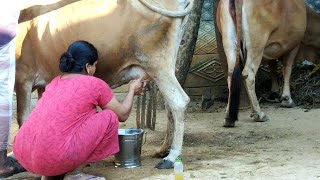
(228, 123)
(161, 154)
(287, 103)
(260, 117)
(165, 164)
(273, 97)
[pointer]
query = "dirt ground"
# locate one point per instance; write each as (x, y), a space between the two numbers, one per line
(286, 147)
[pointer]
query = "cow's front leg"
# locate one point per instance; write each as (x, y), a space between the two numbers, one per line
(177, 101)
(287, 68)
(275, 89)
(166, 145)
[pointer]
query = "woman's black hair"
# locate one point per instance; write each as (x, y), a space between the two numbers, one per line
(77, 56)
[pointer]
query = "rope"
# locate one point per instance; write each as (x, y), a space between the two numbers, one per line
(169, 13)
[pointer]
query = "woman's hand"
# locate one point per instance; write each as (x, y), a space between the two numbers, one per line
(138, 86)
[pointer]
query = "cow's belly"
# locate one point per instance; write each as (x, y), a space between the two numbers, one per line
(273, 51)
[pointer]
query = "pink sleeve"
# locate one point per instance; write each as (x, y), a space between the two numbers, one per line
(105, 94)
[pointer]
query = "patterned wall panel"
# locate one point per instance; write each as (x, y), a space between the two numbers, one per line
(206, 42)
(206, 73)
(314, 4)
(209, 70)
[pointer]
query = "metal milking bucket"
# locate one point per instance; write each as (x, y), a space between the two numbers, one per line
(130, 142)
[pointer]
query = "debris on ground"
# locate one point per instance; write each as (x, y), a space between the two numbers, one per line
(304, 84)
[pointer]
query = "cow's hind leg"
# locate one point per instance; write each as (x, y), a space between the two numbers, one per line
(249, 73)
(177, 101)
(228, 32)
(23, 91)
(287, 68)
(255, 49)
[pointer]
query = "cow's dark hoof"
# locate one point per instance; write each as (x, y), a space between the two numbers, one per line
(161, 154)
(165, 164)
(228, 124)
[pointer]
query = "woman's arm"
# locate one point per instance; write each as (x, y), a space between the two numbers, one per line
(123, 109)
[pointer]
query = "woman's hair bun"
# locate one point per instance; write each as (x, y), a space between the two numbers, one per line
(66, 62)
(78, 55)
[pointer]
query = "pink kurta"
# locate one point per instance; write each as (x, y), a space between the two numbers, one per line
(65, 129)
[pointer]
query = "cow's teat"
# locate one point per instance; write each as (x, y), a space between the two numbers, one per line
(128, 74)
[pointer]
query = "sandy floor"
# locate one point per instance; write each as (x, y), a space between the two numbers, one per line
(286, 147)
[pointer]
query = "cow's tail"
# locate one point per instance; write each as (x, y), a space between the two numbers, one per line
(235, 87)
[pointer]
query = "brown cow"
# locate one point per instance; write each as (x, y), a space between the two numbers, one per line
(310, 46)
(134, 38)
(262, 29)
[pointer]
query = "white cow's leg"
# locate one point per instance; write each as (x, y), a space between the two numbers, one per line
(229, 38)
(166, 145)
(287, 68)
(177, 100)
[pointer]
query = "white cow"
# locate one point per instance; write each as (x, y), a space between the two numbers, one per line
(134, 38)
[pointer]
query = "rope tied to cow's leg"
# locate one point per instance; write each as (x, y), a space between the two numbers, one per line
(147, 108)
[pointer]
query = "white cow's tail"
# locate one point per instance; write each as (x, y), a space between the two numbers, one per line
(236, 76)
(169, 13)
